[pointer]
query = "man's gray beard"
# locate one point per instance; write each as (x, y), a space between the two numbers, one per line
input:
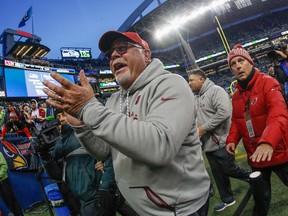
(123, 79)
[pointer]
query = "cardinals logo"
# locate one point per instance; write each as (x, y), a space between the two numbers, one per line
(13, 153)
(254, 101)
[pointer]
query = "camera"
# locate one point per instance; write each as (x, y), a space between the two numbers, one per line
(279, 46)
(46, 138)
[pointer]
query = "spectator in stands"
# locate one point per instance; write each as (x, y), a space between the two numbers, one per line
(260, 118)
(213, 120)
(37, 115)
(271, 70)
(148, 127)
(14, 125)
(2, 115)
(25, 116)
(10, 109)
(48, 109)
(44, 107)
(6, 191)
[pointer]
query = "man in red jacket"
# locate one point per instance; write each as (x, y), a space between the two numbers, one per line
(260, 118)
(15, 126)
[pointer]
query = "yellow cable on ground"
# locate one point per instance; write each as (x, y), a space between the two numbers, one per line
(240, 157)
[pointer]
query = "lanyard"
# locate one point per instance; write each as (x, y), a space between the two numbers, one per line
(247, 105)
(248, 120)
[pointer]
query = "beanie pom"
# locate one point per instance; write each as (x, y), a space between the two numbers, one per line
(238, 46)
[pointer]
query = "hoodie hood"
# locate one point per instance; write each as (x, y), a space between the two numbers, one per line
(207, 84)
(145, 77)
(33, 100)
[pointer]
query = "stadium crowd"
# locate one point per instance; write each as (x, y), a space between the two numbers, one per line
(267, 26)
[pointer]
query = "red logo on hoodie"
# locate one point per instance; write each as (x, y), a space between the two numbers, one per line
(137, 99)
(167, 98)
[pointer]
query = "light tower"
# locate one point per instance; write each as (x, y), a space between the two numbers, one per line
(25, 45)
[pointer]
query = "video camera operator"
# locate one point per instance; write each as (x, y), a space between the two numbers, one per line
(279, 58)
(79, 181)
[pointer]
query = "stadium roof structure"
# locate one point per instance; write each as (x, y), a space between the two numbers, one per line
(19, 44)
(231, 12)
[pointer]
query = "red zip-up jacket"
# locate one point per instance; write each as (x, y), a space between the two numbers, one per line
(269, 117)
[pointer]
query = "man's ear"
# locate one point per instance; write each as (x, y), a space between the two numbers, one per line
(147, 56)
(202, 79)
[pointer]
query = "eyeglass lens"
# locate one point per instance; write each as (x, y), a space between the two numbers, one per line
(119, 48)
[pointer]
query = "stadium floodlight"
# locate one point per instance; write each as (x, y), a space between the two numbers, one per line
(176, 23)
(26, 51)
(194, 14)
(182, 20)
(160, 33)
(20, 50)
(217, 3)
(27, 45)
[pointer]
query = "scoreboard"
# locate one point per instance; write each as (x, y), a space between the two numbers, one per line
(75, 53)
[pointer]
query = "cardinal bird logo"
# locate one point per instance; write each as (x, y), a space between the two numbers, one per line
(19, 161)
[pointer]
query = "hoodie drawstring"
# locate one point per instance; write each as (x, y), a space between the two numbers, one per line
(127, 102)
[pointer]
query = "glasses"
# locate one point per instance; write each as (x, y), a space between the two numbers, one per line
(121, 49)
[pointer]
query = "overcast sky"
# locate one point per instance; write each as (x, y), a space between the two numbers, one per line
(67, 23)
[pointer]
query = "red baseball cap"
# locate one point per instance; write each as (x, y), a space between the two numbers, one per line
(109, 37)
